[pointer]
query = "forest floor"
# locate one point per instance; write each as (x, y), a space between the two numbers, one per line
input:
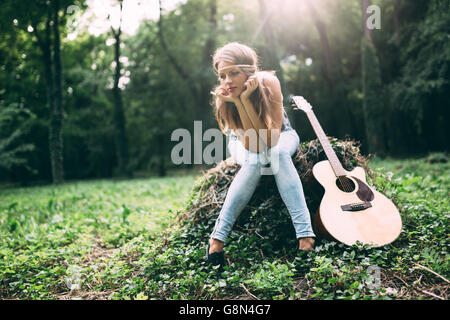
(111, 239)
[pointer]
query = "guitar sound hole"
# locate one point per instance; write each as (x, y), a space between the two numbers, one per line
(345, 184)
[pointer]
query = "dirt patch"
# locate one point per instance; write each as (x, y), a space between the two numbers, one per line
(98, 257)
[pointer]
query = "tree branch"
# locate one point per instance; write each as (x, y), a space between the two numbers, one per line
(320, 26)
(171, 58)
(433, 272)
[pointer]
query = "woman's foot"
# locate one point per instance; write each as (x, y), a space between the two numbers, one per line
(214, 254)
(215, 245)
(306, 244)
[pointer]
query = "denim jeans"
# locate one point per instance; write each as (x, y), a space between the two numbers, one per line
(244, 184)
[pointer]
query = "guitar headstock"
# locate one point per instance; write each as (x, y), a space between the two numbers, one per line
(300, 103)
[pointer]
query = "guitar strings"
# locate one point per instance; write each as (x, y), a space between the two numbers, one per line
(342, 183)
(348, 181)
(345, 184)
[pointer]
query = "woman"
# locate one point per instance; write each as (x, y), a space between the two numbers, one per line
(250, 100)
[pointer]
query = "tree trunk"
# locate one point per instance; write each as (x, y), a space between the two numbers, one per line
(56, 117)
(162, 168)
(327, 66)
(397, 22)
(204, 111)
(173, 61)
(373, 103)
(367, 32)
(119, 114)
(327, 58)
(53, 85)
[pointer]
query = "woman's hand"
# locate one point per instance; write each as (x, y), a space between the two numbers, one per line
(251, 84)
(223, 95)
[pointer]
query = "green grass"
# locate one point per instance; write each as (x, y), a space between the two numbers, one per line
(46, 233)
(120, 240)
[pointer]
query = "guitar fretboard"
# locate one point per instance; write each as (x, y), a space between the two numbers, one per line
(331, 155)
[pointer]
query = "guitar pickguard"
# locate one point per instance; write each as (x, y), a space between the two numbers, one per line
(364, 193)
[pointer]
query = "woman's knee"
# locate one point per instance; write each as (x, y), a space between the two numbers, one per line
(289, 141)
(281, 155)
(285, 155)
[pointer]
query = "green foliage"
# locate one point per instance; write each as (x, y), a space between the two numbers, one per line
(420, 93)
(55, 239)
(412, 72)
(427, 58)
(11, 151)
(272, 279)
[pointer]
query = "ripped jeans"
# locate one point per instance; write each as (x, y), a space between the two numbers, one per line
(244, 184)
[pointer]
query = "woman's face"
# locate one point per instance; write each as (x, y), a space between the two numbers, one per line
(231, 78)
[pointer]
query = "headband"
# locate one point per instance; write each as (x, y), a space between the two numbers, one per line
(238, 65)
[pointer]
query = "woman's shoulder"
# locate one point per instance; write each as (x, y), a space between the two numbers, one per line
(266, 74)
(270, 80)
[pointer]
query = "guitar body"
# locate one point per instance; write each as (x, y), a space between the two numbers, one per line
(377, 225)
(350, 210)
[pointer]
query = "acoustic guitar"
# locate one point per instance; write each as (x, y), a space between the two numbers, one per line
(350, 209)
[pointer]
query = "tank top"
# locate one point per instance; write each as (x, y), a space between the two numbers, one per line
(285, 123)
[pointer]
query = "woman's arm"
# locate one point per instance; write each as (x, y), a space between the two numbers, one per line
(248, 134)
(248, 124)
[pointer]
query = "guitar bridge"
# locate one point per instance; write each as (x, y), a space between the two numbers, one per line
(356, 206)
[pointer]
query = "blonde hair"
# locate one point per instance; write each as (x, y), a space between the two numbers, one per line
(226, 115)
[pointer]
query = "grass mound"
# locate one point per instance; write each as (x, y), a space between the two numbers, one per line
(265, 217)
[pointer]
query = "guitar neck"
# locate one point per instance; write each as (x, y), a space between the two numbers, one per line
(326, 145)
